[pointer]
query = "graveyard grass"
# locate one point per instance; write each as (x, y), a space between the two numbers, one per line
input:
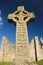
(5, 63)
(9, 63)
(40, 62)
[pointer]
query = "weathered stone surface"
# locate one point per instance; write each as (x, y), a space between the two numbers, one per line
(7, 51)
(21, 17)
(26, 63)
(32, 51)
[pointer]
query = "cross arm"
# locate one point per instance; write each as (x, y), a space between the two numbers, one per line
(30, 16)
(11, 18)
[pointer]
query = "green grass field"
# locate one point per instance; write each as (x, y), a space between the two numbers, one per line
(5, 63)
(9, 63)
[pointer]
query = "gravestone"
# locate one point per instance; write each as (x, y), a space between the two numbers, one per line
(21, 17)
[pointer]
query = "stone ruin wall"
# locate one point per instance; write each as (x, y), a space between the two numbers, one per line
(7, 51)
(39, 50)
(32, 51)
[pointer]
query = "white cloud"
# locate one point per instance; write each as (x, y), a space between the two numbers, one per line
(1, 23)
(0, 18)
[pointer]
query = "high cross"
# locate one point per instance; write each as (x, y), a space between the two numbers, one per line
(21, 17)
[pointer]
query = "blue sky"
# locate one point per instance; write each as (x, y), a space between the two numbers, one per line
(35, 28)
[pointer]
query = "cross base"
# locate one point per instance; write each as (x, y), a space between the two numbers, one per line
(25, 63)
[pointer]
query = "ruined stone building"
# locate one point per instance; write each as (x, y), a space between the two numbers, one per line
(7, 50)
